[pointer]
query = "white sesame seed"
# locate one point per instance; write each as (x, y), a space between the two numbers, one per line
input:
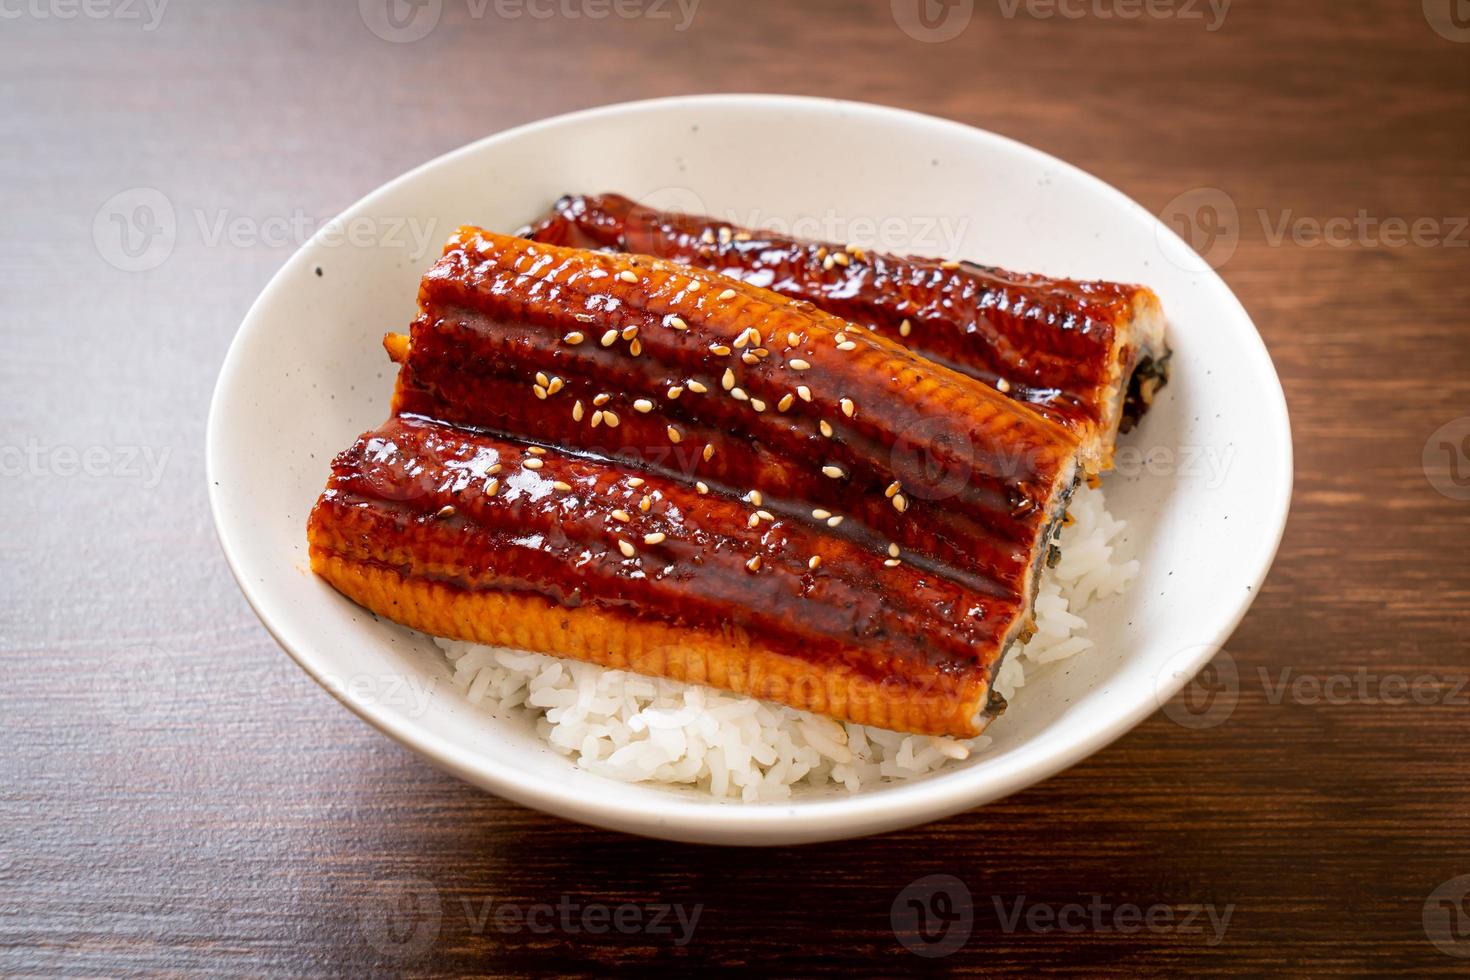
(742, 236)
(542, 379)
(804, 393)
(708, 237)
(621, 515)
(728, 294)
(893, 488)
(630, 332)
(493, 487)
(847, 345)
(720, 350)
(696, 387)
(575, 337)
(893, 550)
(725, 236)
(755, 497)
(657, 537)
(562, 485)
(813, 562)
(745, 337)
(557, 384)
(821, 514)
(537, 451)
(727, 380)
(540, 392)
(950, 264)
(840, 258)
(677, 322)
(753, 520)
(835, 472)
(627, 549)
(797, 364)
(758, 404)
(635, 348)
(611, 418)
(1002, 385)
(596, 419)
(793, 340)
(577, 411)
(446, 511)
(701, 486)
(601, 400)
(839, 337)
(785, 402)
(754, 564)
(645, 504)
(674, 435)
(765, 515)
(643, 405)
(822, 252)
(739, 394)
(675, 392)
(905, 328)
(709, 451)
(695, 285)
(848, 407)
(900, 503)
(609, 338)
(826, 428)
(834, 520)
(749, 358)
(636, 482)
(628, 276)
(893, 563)
(533, 463)
(494, 468)
(828, 263)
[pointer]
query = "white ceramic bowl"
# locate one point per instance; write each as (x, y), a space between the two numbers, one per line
(306, 374)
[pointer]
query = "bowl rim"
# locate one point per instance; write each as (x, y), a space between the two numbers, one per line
(668, 815)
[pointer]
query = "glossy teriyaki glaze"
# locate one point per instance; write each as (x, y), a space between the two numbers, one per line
(1068, 348)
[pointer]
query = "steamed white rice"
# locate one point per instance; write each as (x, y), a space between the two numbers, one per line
(640, 729)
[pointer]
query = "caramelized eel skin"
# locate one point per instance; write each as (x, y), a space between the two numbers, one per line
(472, 536)
(1068, 348)
(980, 478)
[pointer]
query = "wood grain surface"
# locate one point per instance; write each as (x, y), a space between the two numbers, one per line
(177, 798)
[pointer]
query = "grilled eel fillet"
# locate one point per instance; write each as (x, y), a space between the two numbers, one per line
(1088, 354)
(711, 380)
(772, 412)
(467, 535)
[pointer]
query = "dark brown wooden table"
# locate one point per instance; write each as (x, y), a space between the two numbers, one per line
(176, 797)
